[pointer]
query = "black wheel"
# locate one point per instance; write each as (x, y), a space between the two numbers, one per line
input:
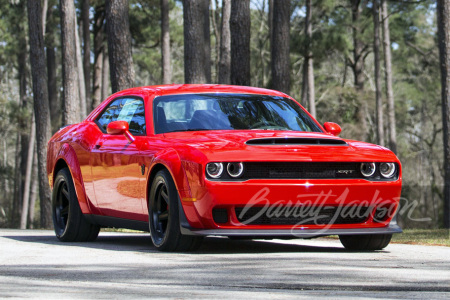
(368, 242)
(163, 216)
(68, 221)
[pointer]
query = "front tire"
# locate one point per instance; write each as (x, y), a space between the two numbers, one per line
(164, 222)
(370, 242)
(68, 221)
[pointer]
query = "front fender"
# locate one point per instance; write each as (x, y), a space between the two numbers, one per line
(170, 159)
(67, 153)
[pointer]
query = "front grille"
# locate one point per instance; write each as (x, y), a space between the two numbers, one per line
(302, 215)
(301, 170)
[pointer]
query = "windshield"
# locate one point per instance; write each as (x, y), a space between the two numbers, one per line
(194, 112)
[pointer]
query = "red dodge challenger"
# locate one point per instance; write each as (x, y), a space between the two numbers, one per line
(188, 161)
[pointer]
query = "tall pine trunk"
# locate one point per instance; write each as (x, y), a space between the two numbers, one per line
(41, 107)
(86, 51)
(99, 44)
(106, 88)
(308, 72)
(27, 184)
(280, 46)
(225, 44)
(119, 45)
(197, 57)
(443, 12)
(376, 51)
(81, 81)
(357, 64)
(388, 76)
(165, 45)
(240, 42)
(69, 63)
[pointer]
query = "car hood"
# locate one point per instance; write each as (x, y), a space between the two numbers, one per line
(265, 145)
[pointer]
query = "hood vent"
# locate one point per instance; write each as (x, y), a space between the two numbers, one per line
(295, 141)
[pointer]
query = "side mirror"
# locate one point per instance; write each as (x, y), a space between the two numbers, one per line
(332, 128)
(118, 128)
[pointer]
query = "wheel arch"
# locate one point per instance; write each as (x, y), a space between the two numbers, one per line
(67, 158)
(170, 160)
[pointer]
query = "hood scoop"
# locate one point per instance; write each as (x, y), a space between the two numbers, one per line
(295, 141)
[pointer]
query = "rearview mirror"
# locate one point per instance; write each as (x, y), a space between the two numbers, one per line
(118, 128)
(332, 128)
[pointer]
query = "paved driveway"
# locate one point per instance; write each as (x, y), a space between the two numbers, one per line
(34, 264)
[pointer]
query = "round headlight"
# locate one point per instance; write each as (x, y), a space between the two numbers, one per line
(387, 170)
(368, 169)
(235, 169)
(214, 170)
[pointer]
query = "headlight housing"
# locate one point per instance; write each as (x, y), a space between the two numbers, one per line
(387, 170)
(368, 169)
(214, 169)
(235, 169)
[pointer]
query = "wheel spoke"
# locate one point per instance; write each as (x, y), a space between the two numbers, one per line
(65, 192)
(163, 216)
(65, 211)
(164, 195)
(158, 203)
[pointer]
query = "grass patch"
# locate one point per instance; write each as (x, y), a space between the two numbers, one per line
(435, 237)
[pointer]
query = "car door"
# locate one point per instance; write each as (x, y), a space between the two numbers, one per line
(117, 164)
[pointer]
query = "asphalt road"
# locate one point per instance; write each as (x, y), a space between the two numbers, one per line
(33, 264)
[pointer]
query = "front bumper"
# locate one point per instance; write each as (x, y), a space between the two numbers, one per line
(299, 233)
(314, 193)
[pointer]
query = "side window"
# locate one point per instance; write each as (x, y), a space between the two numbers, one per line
(130, 110)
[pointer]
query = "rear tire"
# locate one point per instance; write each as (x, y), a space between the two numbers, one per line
(68, 221)
(164, 222)
(370, 242)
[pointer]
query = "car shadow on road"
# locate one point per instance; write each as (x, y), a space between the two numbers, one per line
(140, 242)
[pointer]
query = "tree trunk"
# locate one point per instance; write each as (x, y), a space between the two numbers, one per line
(119, 45)
(69, 63)
(443, 12)
(311, 92)
(214, 19)
(26, 190)
(99, 42)
(280, 46)
(33, 194)
(388, 76)
(376, 51)
(22, 141)
(41, 109)
(106, 89)
(53, 95)
(86, 51)
(55, 105)
(207, 39)
(81, 81)
(304, 96)
(225, 44)
(358, 47)
(44, 16)
(197, 57)
(240, 42)
(165, 45)
(357, 64)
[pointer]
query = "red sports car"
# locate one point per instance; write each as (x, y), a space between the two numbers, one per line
(187, 161)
